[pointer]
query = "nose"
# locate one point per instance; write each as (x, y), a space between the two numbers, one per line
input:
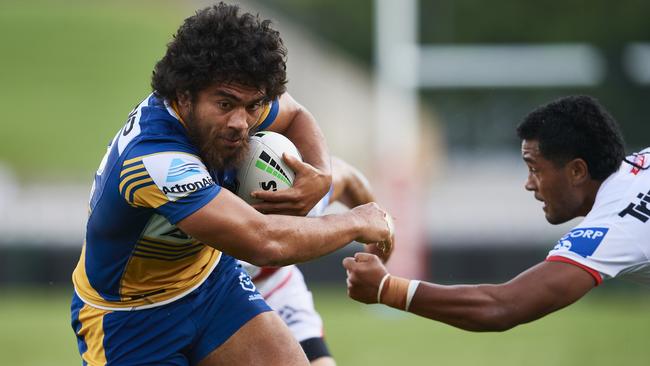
(530, 184)
(238, 119)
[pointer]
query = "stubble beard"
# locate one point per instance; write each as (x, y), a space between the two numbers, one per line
(211, 150)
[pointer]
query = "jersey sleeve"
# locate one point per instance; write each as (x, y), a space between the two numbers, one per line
(167, 177)
(604, 250)
(268, 115)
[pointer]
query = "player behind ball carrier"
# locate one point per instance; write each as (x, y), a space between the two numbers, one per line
(577, 167)
(284, 288)
(156, 281)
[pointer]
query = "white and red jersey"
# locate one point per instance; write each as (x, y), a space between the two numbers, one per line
(614, 238)
(284, 289)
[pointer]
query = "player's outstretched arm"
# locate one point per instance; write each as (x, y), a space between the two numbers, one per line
(231, 225)
(542, 289)
(310, 185)
(349, 185)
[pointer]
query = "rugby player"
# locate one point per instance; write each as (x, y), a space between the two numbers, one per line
(284, 288)
(577, 167)
(156, 282)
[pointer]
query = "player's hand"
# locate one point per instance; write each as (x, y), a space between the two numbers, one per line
(380, 251)
(365, 272)
(378, 228)
(310, 186)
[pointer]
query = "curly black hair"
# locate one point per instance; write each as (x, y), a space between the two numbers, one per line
(219, 45)
(576, 127)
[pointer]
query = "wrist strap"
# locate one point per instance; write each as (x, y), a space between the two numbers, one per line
(381, 287)
(394, 292)
(413, 285)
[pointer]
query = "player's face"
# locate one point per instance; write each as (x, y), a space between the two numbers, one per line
(550, 184)
(219, 119)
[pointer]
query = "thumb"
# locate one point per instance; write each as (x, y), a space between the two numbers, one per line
(348, 263)
(363, 257)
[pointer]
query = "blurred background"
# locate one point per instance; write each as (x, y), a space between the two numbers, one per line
(422, 96)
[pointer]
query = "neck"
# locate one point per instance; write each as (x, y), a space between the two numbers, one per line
(590, 193)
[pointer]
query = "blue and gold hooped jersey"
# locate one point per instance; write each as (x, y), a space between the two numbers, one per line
(151, 178)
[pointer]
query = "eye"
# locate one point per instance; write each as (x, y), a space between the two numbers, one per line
(224, 105)
(255, 106)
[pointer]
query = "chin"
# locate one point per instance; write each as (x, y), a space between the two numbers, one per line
(555, 220)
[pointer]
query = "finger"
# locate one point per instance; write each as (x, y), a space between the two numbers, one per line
(277, 208)
(391, 225)
(283, 195)
(374, 249)
(348, 263)
(294, 163)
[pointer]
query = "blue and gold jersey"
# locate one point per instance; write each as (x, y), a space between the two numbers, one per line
(151, 178)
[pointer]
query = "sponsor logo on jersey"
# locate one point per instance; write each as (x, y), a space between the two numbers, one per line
(582, 241)
(255, 297)
(180, 169)
(639, 163)
(177, 174)
(290, 315)
(638, 210)
(188, 187)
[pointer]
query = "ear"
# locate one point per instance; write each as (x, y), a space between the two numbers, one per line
(578, 171)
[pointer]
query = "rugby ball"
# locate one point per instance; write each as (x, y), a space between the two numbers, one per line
(263, 167)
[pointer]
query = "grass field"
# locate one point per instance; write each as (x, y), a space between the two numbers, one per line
(71, 71)
(600, 330)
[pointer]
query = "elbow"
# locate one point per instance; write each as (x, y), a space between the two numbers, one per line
(496, 319)
(268, 253)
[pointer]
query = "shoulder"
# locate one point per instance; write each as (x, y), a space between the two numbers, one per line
(151, 122)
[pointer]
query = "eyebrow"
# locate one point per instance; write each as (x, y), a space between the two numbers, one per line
(221, 93)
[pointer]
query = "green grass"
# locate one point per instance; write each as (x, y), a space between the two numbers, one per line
(599, 330)
(70, 73)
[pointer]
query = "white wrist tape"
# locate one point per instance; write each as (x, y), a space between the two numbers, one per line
(413, 285)
(381, 287)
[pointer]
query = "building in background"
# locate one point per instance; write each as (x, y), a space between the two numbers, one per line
(467, 160)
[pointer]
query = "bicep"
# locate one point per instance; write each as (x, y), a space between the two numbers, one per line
(226, 223)
(288, 109)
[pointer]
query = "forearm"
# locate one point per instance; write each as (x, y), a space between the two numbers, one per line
(288, 239)
(471, 307)
(351, 187)
(228, 224)
(536, 292)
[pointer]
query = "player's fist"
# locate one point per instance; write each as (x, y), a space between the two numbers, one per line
(377, 226)
(365, 272)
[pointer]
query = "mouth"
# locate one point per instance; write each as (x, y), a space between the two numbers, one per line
(542, 201)
(232, 142)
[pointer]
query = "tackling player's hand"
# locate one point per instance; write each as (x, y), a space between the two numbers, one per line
(310, 186)
(365, 272)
